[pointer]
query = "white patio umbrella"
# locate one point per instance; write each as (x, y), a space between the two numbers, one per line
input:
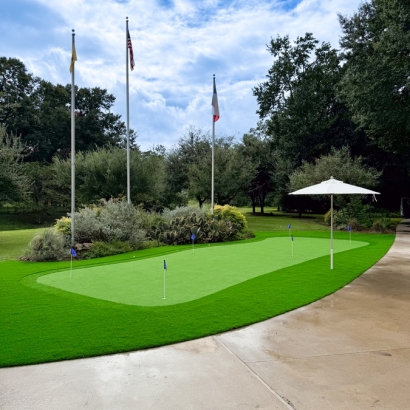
(332, 187)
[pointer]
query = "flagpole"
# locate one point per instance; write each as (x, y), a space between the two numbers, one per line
(213, 158)
(128, 115)
(72, 140)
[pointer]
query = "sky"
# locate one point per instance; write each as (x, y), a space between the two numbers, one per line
(178, 45)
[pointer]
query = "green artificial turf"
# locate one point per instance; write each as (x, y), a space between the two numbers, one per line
(191, 274)
(40, 323)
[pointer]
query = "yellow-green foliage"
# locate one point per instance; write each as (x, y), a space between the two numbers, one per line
(63, 225)
(231, 213)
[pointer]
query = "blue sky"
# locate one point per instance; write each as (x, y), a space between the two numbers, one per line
(178, 46)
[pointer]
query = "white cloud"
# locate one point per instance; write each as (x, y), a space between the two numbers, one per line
(177, 48)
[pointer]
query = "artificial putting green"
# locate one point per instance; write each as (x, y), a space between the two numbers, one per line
(191, 274)
(41, 323)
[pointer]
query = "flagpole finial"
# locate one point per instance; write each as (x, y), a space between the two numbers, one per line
(126, 18)
(73, 30)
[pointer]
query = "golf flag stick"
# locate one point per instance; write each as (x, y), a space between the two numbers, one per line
(349, 229)
(165, 269)
(291, 240)
(289, 229)
(72, 253)
(193, 240)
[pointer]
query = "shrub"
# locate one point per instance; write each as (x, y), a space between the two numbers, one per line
(206, 229)
(63, 225)
(183, 212)
(87, 225)
(382, 224)
(121, 221)
(354, 224)
(114, 220)
(100, 249)
(232, 214)
(49, 246)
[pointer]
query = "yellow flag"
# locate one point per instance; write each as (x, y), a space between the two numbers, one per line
(73, 59)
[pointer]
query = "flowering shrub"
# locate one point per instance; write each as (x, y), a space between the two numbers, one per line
(231, 213)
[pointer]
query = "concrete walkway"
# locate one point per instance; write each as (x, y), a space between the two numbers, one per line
(350, 350)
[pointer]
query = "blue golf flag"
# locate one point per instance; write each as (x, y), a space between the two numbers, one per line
(348, 228)
(289, 226)
(165, 265)
(73, 252)
(193, 236)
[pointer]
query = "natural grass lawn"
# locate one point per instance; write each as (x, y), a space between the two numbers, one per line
(19, 219)
(13, 243)
(40, 323)
(273, 220)
(191, 274)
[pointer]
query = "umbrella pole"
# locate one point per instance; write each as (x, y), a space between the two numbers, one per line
(331, 231)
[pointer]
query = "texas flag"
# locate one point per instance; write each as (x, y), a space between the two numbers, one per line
(215, 108)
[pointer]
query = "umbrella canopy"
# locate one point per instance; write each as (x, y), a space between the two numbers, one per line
(333, 187)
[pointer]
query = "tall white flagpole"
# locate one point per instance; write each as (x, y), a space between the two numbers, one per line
(72, 69)
(128, 115)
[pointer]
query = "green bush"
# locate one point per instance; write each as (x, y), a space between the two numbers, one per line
(49, 246)
(354, 225)
(100, 249)
(63, 225)
(231, 213)
(382, 224)
(205, 228)
(113, 220)
(183, 212)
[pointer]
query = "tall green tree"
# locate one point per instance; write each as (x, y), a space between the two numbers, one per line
(299, 107)
(40, 112)
(103, 174)
(191, 149)
(16, 88)
(14, 184)
(257, 149)
(376, 81)
(232, 173)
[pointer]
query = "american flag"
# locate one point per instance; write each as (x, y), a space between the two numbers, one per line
(132, 62)
(214, 104)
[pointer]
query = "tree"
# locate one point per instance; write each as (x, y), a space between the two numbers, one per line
(103, 174)
(16, 87)
(376, 82)
(41, 113)
(338, 164)
(256, 147)
(232, 173)
(14, 185)
(299, 107)
(191, 149)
